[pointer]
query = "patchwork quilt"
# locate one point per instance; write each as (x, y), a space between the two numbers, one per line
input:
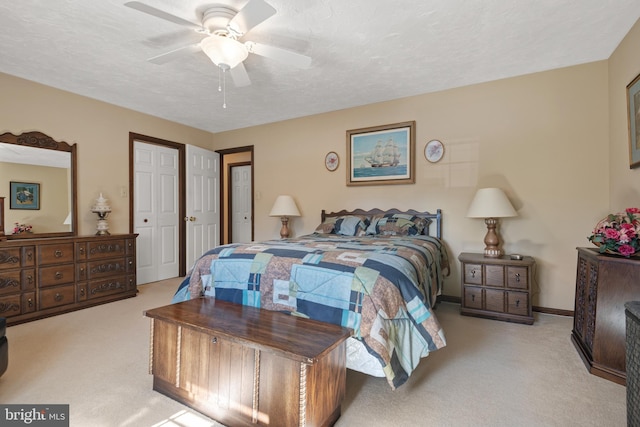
(381, 287)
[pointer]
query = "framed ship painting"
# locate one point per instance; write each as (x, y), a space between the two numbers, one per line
(24, 195)
(382, 154)
(633, 108)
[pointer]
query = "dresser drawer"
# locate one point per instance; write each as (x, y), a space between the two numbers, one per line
(58, 296)
(10, 282)
(10, 305)
(101, 288)
(106, 249)
(56, 275)
(10, 258)
(473, 274)
(109, 268)
(55, 254)
(518, 277)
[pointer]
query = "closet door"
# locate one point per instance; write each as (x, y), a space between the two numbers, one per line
(156, 214)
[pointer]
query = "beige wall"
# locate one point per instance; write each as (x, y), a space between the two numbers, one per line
(542, 137)
(101, 132)
(624, 66)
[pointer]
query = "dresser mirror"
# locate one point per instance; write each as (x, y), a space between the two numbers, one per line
(38, 182)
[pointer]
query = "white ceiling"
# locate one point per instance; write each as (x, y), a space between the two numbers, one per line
(363, 51)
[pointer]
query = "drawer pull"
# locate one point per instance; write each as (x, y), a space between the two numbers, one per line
(81, 292)
(58, 297)
(57, 253)
(30, 255)
(517, 303)
(58, 275)
(30, 302)
(30, 279)
(473, 273)
(81, 250)
(517, 277)
(473, 297)
(214, 340)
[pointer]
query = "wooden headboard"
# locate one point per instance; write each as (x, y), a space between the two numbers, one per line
(435, 218)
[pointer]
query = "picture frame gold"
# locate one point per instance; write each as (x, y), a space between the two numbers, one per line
(380, 155)
(633, 115)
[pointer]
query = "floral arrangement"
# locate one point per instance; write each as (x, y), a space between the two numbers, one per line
(21, 228)
(619, 233)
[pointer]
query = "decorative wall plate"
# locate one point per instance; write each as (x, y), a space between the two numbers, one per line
(331, 161)
(434, 150)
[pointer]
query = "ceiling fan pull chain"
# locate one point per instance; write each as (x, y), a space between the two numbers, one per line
(224, 88)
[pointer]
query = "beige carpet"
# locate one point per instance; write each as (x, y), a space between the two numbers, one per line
(490, 374)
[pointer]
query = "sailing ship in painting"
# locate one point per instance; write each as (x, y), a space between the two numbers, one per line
(384, 155)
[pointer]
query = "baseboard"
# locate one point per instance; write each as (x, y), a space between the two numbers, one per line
(545, 310)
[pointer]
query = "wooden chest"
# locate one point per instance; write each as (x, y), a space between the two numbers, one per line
(244, 366)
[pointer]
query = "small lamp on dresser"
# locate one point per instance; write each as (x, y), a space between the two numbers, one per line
(491, 204)
(284, 207)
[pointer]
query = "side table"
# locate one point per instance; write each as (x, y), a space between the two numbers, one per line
(497, 288)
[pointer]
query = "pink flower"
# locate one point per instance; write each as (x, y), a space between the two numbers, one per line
(633, 210)
(611, 233)
(626, 250)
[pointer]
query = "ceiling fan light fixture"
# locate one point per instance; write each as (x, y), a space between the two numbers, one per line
(224, 51)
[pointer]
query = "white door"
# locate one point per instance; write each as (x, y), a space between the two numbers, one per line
(202, 213)
(241, 204)
(156, 211)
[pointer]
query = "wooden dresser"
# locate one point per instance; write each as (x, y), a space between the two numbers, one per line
(604, 283)
(497, 288)
(43, 277)
(244, 366)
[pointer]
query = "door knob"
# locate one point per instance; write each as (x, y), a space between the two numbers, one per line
(192, 218)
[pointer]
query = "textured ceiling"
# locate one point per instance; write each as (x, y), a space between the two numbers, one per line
(363, 51)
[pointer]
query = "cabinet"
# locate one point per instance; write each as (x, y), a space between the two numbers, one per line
(244, 366)
(49, 276)
(604, 283)
(497, 288)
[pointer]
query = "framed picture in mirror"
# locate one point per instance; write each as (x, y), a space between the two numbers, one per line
(2, 218)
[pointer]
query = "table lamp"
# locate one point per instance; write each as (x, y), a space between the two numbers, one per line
(284, 207)
(491, 204)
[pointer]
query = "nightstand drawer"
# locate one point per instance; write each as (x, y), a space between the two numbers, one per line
(518, 303)
(518, 277)
(473, 274)
(473, 297)
(494, 275)
(494, 300)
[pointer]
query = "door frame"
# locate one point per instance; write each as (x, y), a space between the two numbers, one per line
(225, 202)
(182, 191)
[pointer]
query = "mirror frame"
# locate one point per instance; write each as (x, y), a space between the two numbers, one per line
(45, 142)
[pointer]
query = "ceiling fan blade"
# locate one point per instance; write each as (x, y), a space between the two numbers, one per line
(172, 55)
(161, 14)
(285, 56)
(251, 15)
(239, 75)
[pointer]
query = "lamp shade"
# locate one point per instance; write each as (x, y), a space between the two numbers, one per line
(284, 206)
(224, 51)
(490, 203)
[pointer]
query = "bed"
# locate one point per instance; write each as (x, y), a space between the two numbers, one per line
(376, 272)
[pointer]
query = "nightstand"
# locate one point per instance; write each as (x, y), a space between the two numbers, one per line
(497, 288)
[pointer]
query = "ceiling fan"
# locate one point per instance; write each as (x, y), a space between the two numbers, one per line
(222, 28)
